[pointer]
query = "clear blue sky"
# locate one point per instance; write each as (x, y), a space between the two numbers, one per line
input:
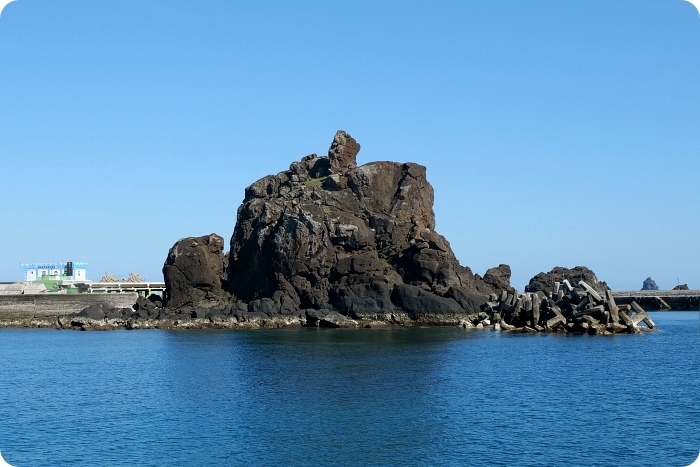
(556, 133)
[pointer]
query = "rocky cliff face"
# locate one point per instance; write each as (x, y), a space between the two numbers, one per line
(329, 235)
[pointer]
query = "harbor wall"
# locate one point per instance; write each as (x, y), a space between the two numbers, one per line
(660, 299)
(20, 308)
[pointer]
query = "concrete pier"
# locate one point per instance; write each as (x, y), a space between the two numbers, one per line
(142, 288)
(660, 299)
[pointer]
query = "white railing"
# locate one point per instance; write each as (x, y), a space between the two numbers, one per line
(123, 287)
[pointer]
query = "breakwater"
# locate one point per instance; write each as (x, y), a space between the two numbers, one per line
(660, 299)
(131, 311)
(43, 309)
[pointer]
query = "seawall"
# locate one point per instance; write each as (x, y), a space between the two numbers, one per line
(660, 299)
(25, 310)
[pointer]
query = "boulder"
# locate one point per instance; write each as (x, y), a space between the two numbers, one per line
(95, 312)
(498, 277)
(362, 299)
(193, 272)
(118, 313)
(264, 306)
(470, 300)
(150, 307)
(416, 301)
(328, 319)
(681, 287)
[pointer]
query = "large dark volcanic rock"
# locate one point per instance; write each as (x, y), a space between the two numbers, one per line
(544, 282)
(329, 235)
(193, 272)
(499, 277)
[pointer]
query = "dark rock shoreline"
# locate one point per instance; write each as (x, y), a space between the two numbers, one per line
(580, 309)
(328, 243)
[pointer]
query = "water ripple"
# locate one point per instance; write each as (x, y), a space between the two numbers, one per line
(438, 396)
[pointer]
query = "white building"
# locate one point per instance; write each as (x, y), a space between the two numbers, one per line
(69, 271)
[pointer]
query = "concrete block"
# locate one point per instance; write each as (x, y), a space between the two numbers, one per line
(594, 311)
(577, 295)
(517, 306)
(631, 326)
(591, 291)
(641, 315)
(535, 312)
(582, 304)
(536, 305)
(612, 306)
(558, 320)
(590, 320)
(617, 327)
(512, 298)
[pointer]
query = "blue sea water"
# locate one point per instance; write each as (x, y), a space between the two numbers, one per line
(403, 396)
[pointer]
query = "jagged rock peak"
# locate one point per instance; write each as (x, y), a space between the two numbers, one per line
(649, 284)
(343, 152)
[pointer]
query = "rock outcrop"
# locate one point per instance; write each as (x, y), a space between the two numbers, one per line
(649, 284)
(499, 277)
(193, 272)
(328, 243)
(545, 282)
(329, 235)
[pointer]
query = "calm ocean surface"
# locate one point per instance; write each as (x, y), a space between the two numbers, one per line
(405, 396)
